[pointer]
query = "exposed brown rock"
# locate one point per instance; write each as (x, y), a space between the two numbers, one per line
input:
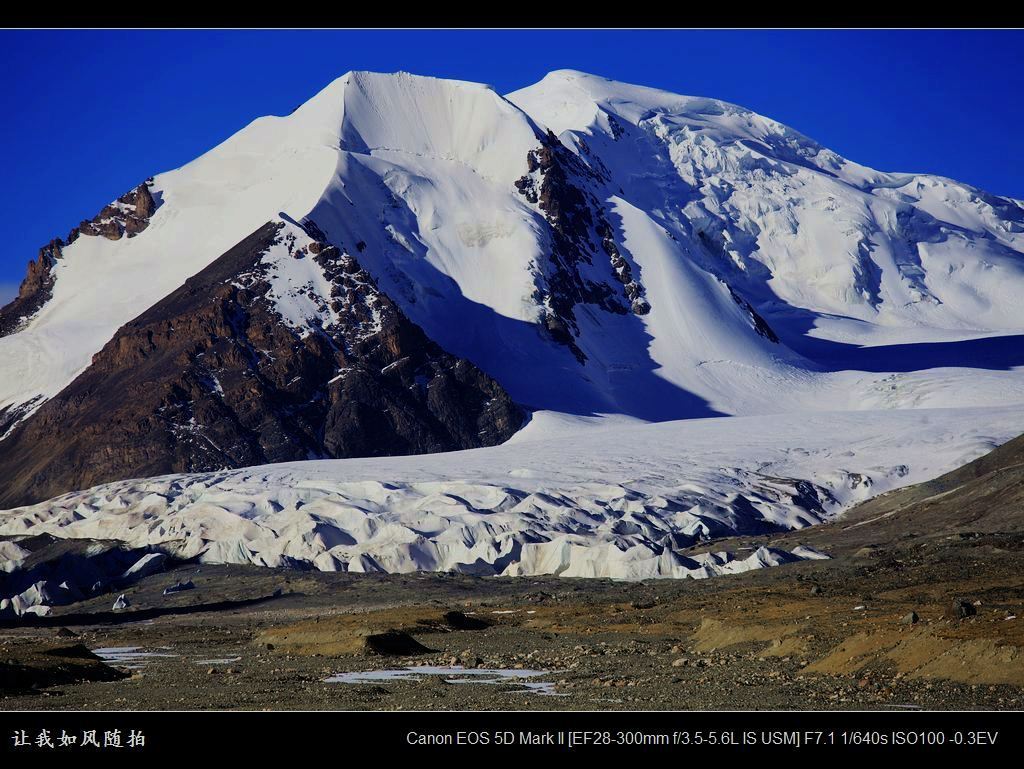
(128, 215)
(210, 377)
(36, 289)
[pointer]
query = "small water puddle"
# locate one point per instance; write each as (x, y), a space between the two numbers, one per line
(132, 657)
(455, 674)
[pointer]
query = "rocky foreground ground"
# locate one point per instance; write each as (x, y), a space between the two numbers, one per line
(920, 607)
(834, 634)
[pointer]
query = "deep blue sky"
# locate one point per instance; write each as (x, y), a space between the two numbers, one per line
(86, 115)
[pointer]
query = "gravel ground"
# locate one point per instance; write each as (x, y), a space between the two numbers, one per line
(791, 637)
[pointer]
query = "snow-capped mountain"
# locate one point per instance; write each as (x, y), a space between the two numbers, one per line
(589, 250)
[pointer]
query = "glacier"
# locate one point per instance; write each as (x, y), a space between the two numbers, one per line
(617, 501)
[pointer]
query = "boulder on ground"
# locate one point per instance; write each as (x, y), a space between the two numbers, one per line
(393, 643)
(963, 609)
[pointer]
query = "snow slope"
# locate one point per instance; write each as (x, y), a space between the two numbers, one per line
(616, 502)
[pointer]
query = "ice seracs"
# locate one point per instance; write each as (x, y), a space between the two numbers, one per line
(628, 502)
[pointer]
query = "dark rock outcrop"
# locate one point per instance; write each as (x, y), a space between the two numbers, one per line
(212, 377)
(759, 324)
(127, 216)
(623, 271)
(36, 289)
(557, 183)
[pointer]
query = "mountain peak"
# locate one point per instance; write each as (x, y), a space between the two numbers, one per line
(585, 250)
(633, 267)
